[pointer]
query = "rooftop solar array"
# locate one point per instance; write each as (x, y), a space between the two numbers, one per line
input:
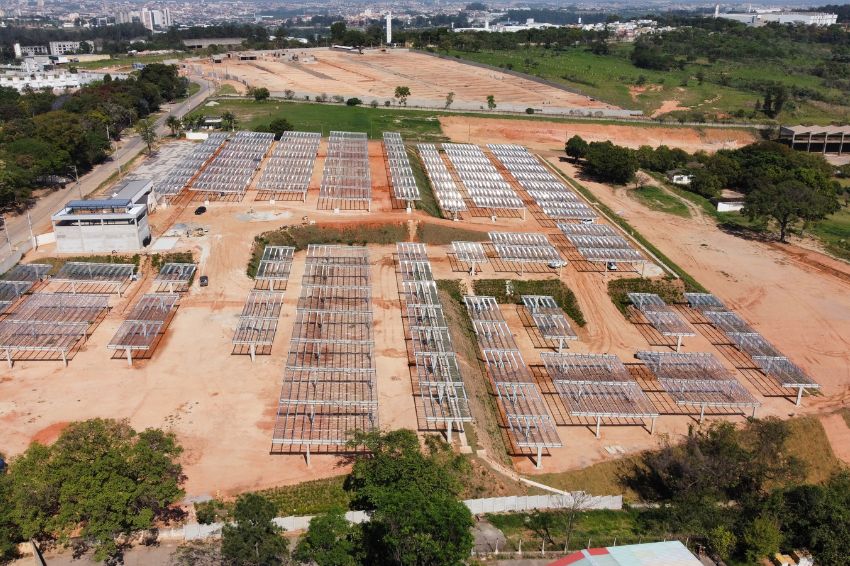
(440, 383)
(597, 386)
(346, 179)
(448, 195)
(145, 323)
(485, 185)
(50, 323)
(290, 166)
(765, 355)
(663, 318)
(699, 380)
(525, 412)
(83, 276)
(551, 195)
(401, 174)
(524, 247)
(232, 169)
(175, 277)
(604, 246)
(275, 265)
(183, 172)
(329, 389)
(549, 319)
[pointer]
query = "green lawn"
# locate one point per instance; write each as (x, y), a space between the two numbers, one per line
(834, 232)
(614, 79)
(656, 198)
(126, 61)
(414, 125)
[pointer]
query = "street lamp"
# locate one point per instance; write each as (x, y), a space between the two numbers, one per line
(77, 177)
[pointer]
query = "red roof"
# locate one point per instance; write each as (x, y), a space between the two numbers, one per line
(577, 556)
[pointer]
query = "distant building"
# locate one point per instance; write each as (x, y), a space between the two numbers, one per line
(818, 139)
(680, 177)
(669, 553)
(105, 225)
(22, 51)
(795, 18)
(218, 41)
(54, 79)
(66, 47)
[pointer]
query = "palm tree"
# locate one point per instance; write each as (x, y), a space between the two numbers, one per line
(228, 121)
(174, 124)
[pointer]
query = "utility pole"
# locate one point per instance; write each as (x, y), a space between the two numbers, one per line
(77, 177)
(32, 234)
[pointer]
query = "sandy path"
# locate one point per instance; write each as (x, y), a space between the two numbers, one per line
(542, 135)
(838, 434)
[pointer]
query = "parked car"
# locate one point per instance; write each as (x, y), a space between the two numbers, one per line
(200, 210)
(204, 280)
(612, 266)
(557, 263)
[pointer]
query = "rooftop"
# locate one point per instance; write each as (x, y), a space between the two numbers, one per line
(668, 553)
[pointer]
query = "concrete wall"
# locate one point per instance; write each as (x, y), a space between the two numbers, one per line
(102, 238)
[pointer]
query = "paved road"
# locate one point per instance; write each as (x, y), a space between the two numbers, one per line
(18, 226)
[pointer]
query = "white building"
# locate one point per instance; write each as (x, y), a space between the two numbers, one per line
(757, 18)
(55, 80)
(66, 47)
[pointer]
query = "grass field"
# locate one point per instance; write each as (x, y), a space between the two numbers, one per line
(126, 61)
(614, 79)
(414, 125)
(834, 233)
(657, 198)
(562, 294)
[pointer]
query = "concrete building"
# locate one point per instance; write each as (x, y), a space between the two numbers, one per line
(670, 553)
(22, 51)
(56, 79)
(793, 18)
(818, 139)
(106, 225)
(66, 47)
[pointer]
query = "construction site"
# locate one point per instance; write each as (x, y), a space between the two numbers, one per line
(266, 357)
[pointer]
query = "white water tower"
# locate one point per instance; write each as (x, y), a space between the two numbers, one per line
(389, 28)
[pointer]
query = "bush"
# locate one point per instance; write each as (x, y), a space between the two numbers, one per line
(338, 99)
(353, 102)
(374, 104)
(209, 512)
(529, 110)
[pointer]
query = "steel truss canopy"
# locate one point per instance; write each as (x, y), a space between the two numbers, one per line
(401, 174)
(78, 273)
(181, 173)
(485, 185)
(699, 380)
(175, 276)
(663, 318)
(440, 384)
(257, 325)
(275, 266)
(448, 195)
(551, 195)
(231, 170)
(29, 272)
(146, 322)
(346, 179)
(598, 386)
(525, 413)
(53, 323)
(470, 253)
(290, 166)
(549, 319)
(524, 247)
(329, 387)
(704, 302)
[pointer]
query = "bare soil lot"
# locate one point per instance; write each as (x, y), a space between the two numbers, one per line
(375, 75)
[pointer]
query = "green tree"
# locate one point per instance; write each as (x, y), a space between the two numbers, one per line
(9, 533)
(338, 31)
(789, 202)
(261, 94)
(254, 540)
(450, 98)
(401, 93)
(174, 124)
(330, 541)
(491, 102)
(610, 163)
(576, 148)
(761, 538)
(353, 102)
(228, 121)
(99, 480)
(147, 131)
(706, 183)
(721, 541)
(278, 127)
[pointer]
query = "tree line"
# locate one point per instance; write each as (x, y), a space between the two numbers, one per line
(780, 184)
(44, 136)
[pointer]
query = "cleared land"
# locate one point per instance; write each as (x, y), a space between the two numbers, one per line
(375, 75)
(222, 407)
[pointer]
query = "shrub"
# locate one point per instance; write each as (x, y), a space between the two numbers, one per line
(338, 99)
(529, 110)
(353, 102)
(562, 294)
(668, 289)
